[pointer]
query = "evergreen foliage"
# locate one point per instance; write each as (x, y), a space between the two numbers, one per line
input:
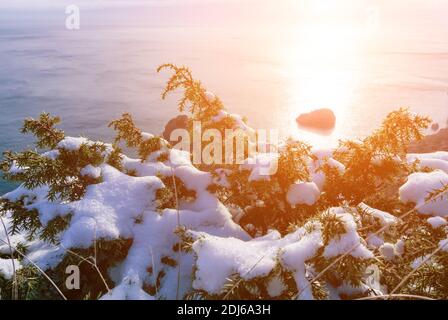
(374, 168)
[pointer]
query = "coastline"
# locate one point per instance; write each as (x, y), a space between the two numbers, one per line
(431, 143)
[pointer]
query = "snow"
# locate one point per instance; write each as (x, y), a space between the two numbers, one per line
(260, 203)
(440, 155)
(219, 258)
(110, 210)
(323, 157)
(147, 136)
(420, 261)
(350, 290)
(91, 171)
(294, 257)
(124, 206)
(387, 250)
(129, 289)
(348, 241)
(72, 143)
(37, 199)
(75, 143)
(210, 96)
(303, 193)
(400, 247)
(221, 177)
(275, 287)
(145, 168)
(52, 154)
(418, 187)
(374, 241)
(15, 169)
(261, 166)
(6, 268)
(179, 158)
(434, 161)
(44, 255)
(437, 222)
(384, 218)
(240, 124)
(104, 211)
(443, 244)
(433, 164)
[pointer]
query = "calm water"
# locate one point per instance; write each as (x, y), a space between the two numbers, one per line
(269, 65)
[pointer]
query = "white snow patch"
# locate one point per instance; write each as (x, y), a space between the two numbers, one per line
(444, 245)
(104, 211)
(294, 257)
(240, 124)
(418, 187)
(72, 143)
(147, 136)
(387, 250)
(52, 154)
(348, 241)
(261, 165)
(303, 193)
(6, 268)
(420, 261)
(129, 289)
(399, 247)
(436, 222)
(385, 218)
(91, 171)
(374, 241)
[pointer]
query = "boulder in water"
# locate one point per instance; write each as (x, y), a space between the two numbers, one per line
(179, 122)
(320, 119)
(435, 126)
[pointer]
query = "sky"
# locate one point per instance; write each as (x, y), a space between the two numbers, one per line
(99, 3)
(52, 3)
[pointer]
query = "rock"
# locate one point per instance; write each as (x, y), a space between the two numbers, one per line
(179, 122)
(320, 119)
(435, 126)
(431, 143)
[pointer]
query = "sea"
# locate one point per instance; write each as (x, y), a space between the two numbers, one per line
(267, 60)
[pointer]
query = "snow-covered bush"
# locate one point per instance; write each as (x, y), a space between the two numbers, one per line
(362, 220)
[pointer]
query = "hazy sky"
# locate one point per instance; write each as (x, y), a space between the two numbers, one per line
(52, 3)
(258, 13)
(47, 3)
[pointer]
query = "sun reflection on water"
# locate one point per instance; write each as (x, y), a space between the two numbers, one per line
(323, 67)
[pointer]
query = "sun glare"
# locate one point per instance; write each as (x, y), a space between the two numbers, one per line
(325, 59)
